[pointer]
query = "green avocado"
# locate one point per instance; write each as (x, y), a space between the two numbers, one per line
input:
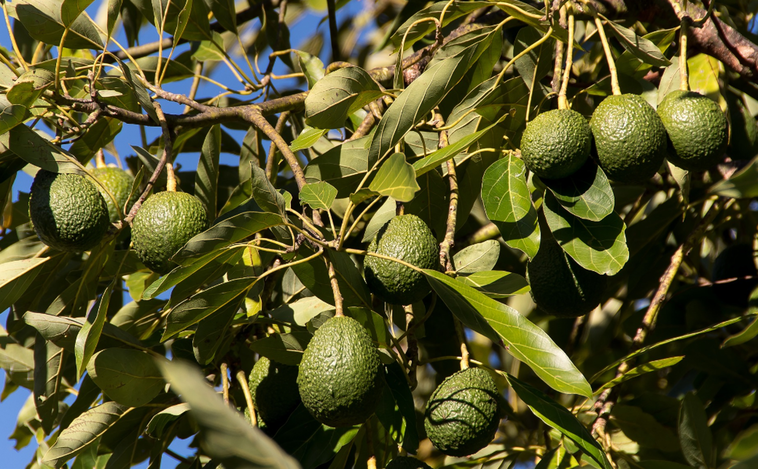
(273, 387)
(340, 378)
(697, 130)
(630, 139)
(556, 143)
(164, 223)
(560, 286)
(67, 211)
(119, 183)
(406, 462)
(463, 414)
(408, 238)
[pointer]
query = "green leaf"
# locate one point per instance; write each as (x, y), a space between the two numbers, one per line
(226, 436)
(89, 334)
(129, 377)
(319, 195)
(323, 445)
(508, 204)
(598, 246)
(97, 136)
(16, 277)
(523, 339)
(315, 277)
(339, 94)
(395, 178)
(226, 14)
(496, 284)
(210, 332)
(561, 419)
(206, 179)
(203, 304)
(307, 138)
(226, 232)
(477, 257)
(49, 364)
(62, 330)
(742, 185)
(385, 213)
(748, 333)
(427, 90)
(643, 428)
(538, 62)
(84, 431)
(157, 424)
(286, 348)
(585, 194)
(694, 434)
(265, 194)
(71, 9)
(44, 22)
(414, 32)
(311, 66)
(654, 365)
(640, 47)
(396, 411)
(38, 151)
(342, 166)
(11, 115)
(210, 50)
(114, 10)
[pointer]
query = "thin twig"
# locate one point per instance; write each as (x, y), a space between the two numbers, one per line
(248, 397)
(338, 308)
(333, 32)
(225, 382)
(271, 158)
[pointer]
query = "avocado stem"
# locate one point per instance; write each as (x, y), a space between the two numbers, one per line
(248, 397)
(170, 178)
(339, 309)
(562, 101)
(465, 355)
(684, 76)
(100, 159)
(608, 54)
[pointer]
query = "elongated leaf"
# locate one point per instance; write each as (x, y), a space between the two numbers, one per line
(524, 340)
(643, 428)
(159, 421)
(71, 9)
(427, 91)
(49, 362)
(226, 436)
(742, 185)
(640, 370)
(16, 277)
(399, 416)
(638, 46)
(11, 114)
(598, 246)
(508, 204)
(396, 179)
(477, 257)
(561, 419)
(538, 62)
(210, 333)
(414, 32)
(63, 330)
(585, 194)
(203, 304)
(265, 194)
(226, 232)
(339, 94)
(34, 149)
(694, 433)
(307, 138)
(495, 283)
(342, 166)
(206, 180)
(314, 275)
(84, 431)
(129, 377)
(44, 22)
(89, 334)
(319, 195)
(286, 348)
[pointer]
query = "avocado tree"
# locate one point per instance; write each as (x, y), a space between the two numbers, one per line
(603, 282)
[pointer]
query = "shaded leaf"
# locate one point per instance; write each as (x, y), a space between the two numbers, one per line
(38, 151)
(395, 178)
(342, 166)
(265, 194)
(694, 433)
(44, 22)
(339, 94)
(414, 32)
(16, 277)
(477, 257)
(206, 178)
(129, 377)
(210, 332)
(598, 246)
(495, 283)
(49, 363)
(742, 185)
(63, 330)
(585, 194)
(654, 365)
(399, 417)
(538, 62)
(89, 334)
(643, 428)
(319, 195)
(286, 348)
(385, 213)
(524, 340)
(159, 421)
(640, 47)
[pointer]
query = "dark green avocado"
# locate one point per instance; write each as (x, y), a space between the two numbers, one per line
(273, 387)
(340, 378)
(556, 143)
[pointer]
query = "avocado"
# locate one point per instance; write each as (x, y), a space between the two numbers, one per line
(556, 143)
(463, 414)
(630, 140)
(696, 128)
(119, 183)
(273, 387)
(408, 238)
(67, 211)
(560, 286)
(406, 462)
(164, 223)
(340, 379)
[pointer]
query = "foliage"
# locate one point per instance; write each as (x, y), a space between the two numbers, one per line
(419, 109)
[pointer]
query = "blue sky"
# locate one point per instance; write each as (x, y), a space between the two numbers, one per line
(11, 458)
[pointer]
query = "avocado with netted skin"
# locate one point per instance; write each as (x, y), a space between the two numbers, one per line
(119, 183)
(560, 286)
(406, 462)
(556, 143)
(340, 377)
(164, 223)
(408, 238)
(697, 130)
(463, 414)
(273, 387)
(67, 211)
(630, 140)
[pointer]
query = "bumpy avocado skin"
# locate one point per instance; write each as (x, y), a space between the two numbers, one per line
(556, 143)
(273, 387)
(119, 183)
(697, 130)
(407, 238)
(629, 137)
(340, 377)
(559, 286)
(462, 415)
(406, 462)
(164, 223)
(67, 211)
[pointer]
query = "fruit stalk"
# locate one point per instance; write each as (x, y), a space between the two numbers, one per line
(684, 81)
(607, 49)
(465, 356)
(562, 101)
(248, 397)
(339, 309)
(452, 213)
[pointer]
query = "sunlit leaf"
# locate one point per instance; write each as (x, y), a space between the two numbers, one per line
(396, 179)
(495, 283)
(319, 195)
(585, 194)
(339, 94)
